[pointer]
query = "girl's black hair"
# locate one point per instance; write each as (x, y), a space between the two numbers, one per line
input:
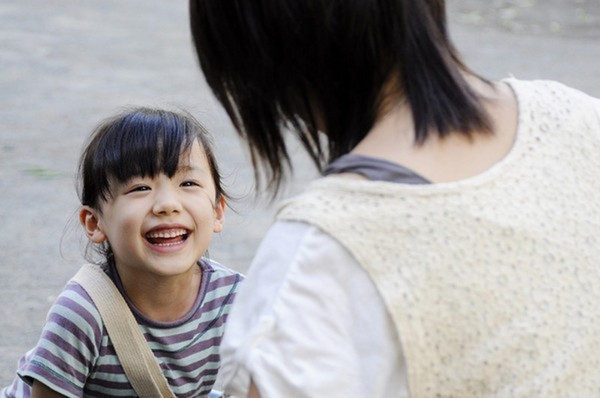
(276, 64)
(139, 142)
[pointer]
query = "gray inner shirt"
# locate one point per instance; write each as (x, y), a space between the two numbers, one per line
(374, 169)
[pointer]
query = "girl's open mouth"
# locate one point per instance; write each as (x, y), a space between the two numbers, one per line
(167, 237)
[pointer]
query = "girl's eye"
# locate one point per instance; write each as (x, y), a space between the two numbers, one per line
(141, 188)
(190, 184)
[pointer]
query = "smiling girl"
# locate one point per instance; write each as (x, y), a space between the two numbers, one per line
(151, 200)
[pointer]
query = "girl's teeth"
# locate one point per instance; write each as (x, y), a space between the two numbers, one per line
(167, 244)
(167, 234)
(167, 237)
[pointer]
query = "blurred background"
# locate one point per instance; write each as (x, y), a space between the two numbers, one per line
(67, 64)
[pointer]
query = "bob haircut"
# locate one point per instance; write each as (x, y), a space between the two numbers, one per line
(139, 142)
(304, 64)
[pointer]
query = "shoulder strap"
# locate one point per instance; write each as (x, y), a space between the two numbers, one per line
(131, 347)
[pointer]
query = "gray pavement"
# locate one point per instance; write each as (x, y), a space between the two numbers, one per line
(65, 64)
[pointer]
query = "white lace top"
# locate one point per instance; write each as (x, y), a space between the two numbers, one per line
(484, 287)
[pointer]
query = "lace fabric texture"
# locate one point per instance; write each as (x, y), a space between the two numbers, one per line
(492, 282)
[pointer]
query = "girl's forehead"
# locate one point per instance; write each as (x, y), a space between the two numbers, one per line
(194, 156)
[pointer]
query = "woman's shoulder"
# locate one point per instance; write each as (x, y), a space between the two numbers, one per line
(568, 109)
(550, 90)
(294, 258)
(300, 272)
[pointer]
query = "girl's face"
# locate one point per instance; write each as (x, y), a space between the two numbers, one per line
(159, 224)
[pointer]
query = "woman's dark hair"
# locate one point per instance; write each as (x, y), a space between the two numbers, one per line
(276, 64)
(139, 142)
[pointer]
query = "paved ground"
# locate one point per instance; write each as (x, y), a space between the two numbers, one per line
(65, 64)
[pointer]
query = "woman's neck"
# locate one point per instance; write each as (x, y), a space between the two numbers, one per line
(454, 157)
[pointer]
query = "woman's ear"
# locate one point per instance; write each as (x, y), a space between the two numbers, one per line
(89, 220)
(220, 205)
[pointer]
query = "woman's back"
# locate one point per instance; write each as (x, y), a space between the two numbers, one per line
(482, 278)
(489, 280)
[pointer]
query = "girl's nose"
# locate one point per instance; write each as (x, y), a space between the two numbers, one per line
(166, 202)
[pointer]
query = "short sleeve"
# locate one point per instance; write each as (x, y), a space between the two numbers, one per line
(65, 353)
(308, 321)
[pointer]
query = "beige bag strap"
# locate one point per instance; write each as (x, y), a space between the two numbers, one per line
(131, 347)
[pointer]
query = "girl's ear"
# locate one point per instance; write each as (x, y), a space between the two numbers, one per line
(88, 218)
(219, 214)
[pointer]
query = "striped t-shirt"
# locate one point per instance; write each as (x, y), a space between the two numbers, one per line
(75, 356)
